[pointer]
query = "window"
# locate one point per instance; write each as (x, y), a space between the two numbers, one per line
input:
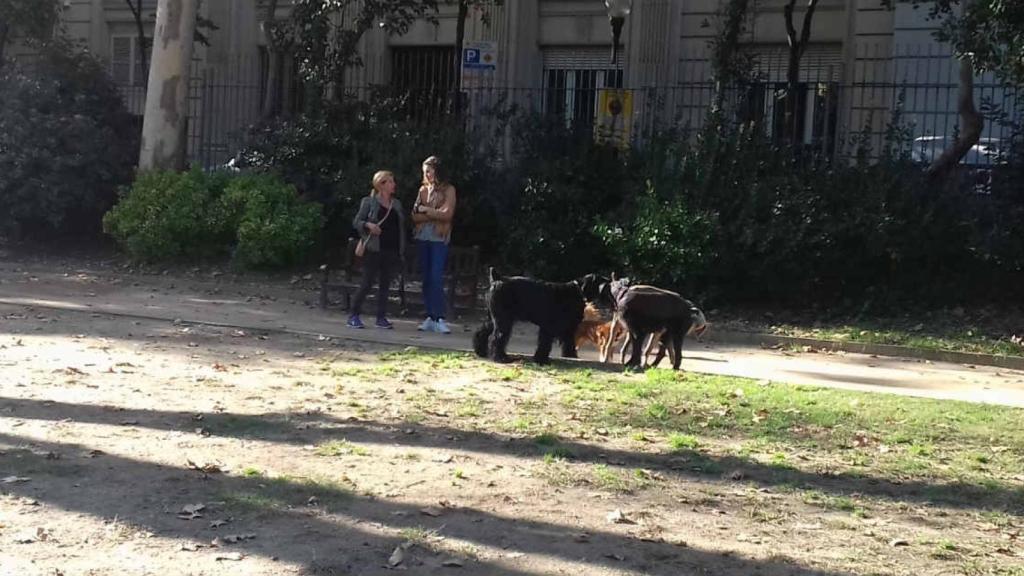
(126, 61)
(290, 94)
(817, 94)
(573, 79)
(427, 78)
(423, 68)
(816, 111)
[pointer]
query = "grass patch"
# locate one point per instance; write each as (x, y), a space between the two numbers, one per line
(954, 337)
(616, 480)
(470, 408)
(679, 442)
(286, 492)
(340, 448)
(945, 444)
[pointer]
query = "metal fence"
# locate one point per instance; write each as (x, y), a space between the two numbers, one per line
(902, 96)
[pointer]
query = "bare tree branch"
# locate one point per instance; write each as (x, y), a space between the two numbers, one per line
(137, 15)
(971, 123)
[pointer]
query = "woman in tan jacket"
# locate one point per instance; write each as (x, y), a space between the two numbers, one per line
(432, 215)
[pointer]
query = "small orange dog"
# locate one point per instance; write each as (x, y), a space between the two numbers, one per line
(595, 329)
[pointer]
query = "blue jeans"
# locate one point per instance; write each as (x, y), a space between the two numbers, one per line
(432, 257)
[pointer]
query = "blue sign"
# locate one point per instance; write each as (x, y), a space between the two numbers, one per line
(480, 56)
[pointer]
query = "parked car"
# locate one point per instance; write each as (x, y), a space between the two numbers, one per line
(977, 166)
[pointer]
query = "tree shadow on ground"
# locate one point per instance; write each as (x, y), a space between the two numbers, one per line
(304, 429)
(340, 531)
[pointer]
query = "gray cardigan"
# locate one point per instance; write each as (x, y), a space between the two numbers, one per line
(370, 211)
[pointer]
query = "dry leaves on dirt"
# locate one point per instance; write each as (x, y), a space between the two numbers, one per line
(191, 511)
(208, 468)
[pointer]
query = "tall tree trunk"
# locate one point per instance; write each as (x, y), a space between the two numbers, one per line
(971, 124)
(797, 47)
(164, 127)
(141, 31)
(460, 43)
(272, 96)
(3, 41)
(725, 49)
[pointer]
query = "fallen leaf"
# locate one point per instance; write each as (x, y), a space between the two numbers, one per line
(898, 542)
(205, 468)
(737, 475)
(617, 517)
(191, 511)
(451, 564)
(432, 512)
(615, 557)
(397, 557)
(760, 416)
(14, 480)
(217, 523)
(233, 556)
(582, 537)
(232, 539)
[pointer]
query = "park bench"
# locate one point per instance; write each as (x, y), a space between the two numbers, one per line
(461, 279)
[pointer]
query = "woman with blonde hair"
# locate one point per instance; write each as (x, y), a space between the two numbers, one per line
(432, 216)
(380, 223)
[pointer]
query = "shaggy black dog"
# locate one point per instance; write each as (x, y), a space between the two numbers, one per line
(556, 309)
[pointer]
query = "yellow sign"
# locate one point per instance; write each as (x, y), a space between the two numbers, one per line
(614, 122)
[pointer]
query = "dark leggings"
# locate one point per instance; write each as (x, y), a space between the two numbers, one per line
(379, 267)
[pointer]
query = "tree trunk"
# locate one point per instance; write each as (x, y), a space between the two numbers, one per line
(460, 42)
(164, 126)
(272, 96)
(735, 13)
(971, 124)
(797, 47)
(3, 41)
(141, 30)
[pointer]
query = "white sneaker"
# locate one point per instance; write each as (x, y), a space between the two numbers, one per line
(442, 327)
(428, 325)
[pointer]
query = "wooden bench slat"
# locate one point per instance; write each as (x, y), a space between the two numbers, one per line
(462, 269)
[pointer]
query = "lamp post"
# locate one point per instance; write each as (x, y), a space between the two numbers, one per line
(617, 12)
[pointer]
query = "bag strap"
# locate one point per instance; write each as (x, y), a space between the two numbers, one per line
(386, 213)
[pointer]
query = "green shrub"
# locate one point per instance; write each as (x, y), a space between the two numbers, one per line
(174, 216)
(169, 215)
(66, 143)
(275, 228)
(665, 242)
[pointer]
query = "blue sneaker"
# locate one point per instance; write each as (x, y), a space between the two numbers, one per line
(428, 325)
(355, 322)
(384, 323)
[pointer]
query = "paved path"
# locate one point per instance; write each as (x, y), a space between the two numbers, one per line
(284, 306)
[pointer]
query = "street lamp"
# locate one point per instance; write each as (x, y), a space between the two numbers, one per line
(617, 12)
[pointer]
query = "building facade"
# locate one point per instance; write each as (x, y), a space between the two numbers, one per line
(863, 63)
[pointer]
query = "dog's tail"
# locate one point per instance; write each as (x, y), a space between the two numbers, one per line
(700, 323)
(481, 338)
(493, 275)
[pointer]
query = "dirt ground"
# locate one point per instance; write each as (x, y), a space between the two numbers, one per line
(149, 447)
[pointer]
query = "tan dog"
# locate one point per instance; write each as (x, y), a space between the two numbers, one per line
(595, 329)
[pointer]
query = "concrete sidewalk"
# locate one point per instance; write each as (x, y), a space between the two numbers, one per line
(291, 307)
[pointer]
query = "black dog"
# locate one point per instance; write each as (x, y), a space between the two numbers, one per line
(646, 310)
(556, 309)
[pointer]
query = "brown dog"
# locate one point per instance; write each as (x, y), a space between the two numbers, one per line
(595, 329)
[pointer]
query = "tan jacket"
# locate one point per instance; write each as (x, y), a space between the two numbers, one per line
(440, 210)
